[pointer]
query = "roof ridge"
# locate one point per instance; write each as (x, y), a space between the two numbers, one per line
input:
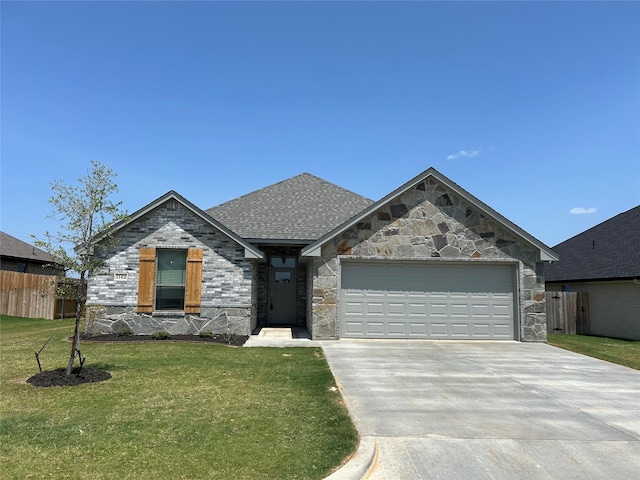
(273, 185)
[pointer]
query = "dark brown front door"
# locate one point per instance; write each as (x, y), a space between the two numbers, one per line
(282, 291)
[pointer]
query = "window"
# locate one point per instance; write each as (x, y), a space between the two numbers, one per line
(283, 262)
(170, 279)
(171, 276)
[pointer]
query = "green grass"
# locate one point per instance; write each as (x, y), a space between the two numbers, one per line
(170, 410)
(622, 352)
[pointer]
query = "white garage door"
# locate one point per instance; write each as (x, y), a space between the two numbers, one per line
(410, 300)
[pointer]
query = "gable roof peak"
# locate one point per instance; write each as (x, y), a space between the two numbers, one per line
(250, 250)
(545, 253)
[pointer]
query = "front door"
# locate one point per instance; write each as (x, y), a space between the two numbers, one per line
(282, 291)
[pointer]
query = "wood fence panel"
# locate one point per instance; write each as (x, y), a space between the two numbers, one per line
(567, 312)
(65, 308)
(582, 310)
(27, 295)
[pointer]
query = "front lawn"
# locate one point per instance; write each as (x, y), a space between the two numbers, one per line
(171, 410)
(622, 352)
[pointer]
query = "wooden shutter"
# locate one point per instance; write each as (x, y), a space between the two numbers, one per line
(193, 290)
(146, 279)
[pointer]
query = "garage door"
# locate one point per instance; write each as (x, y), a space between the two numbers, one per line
(448, 301)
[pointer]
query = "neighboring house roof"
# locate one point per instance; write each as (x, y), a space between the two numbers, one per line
(250, 250)
(545, 252)
(301, 208)
(610, 250)
(15, 248)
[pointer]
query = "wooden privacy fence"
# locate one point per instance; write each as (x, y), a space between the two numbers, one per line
(36, 296)
(567, 312)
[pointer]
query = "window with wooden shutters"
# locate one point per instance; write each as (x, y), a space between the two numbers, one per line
(170, 280)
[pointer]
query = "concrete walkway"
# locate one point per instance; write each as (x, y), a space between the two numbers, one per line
(281, 337)
(486, 410)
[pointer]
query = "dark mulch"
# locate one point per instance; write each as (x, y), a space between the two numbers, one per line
(59, 378)
(235, 340)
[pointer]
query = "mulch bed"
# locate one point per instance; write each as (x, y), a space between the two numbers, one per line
(236, 340)
(79, 376)
(58, 377)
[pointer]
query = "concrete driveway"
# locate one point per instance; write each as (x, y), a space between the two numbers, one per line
(490, 410)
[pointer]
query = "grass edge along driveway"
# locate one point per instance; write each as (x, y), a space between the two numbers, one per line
(171, 410)
(622, 352)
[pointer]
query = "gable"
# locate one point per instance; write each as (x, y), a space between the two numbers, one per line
(418, 209)
(301, 208)
(175, 202)
(610, 250)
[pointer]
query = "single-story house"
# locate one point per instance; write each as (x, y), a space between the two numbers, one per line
(429, 260)
(19, 256)
(604, 261)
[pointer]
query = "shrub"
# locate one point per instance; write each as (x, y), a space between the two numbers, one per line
(205, 334)
(160, 335)
(124, 332)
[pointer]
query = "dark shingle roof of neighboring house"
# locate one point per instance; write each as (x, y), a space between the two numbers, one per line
(15, 248)
(609, 250)
(302, 208)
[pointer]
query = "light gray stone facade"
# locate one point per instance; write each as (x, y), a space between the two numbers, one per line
(228, 301)
(427, 223)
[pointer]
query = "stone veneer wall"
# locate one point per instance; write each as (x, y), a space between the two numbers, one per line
(430, 223)
(227, 302)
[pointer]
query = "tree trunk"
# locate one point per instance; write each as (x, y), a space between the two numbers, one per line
(75, 342)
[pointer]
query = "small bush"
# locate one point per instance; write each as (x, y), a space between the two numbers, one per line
(160, 335)
(124, 332)
(205, 334)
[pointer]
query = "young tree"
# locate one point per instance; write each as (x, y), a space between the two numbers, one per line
(86, 213)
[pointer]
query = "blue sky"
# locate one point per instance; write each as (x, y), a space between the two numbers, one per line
(533, 107)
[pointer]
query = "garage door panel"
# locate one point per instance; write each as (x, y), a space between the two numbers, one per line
(374, 308)
(503, 331)
(418, 329)
(397, 309)
(481, 330)
(503, 311)
(459, 310)
(375, 328)
(480, 310)
(439, 310)
(353, 328)
(439, 330)
(356, 308)
(397, 328)
(397, 300)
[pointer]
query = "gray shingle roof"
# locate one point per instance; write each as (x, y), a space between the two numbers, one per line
(607, 251)
(303, 207)
(16, 248)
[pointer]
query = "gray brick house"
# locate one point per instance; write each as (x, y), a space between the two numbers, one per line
(429, 260)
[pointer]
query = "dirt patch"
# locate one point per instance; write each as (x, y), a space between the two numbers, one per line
(59, 378)
(234, 340)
